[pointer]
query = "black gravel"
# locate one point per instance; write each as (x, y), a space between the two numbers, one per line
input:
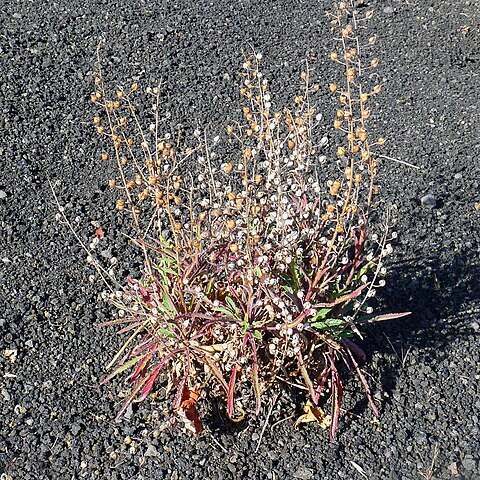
(56, 422)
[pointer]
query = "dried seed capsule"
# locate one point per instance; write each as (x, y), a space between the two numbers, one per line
(335, 187)
(228, 167)
(234, 248)
(112, 183)
(120, 204)
(231, 224)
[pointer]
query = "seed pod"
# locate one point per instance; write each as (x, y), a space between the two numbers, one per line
(335, 187)
(112, 183)
(377, 89)
(381, 141)
(291, 144)
(341, 151)
(234, 248)
(134, 87)
(357, 178)
(138, 179)
(104, 156)
(337, 123)
(130, 185)
(120, 204)
(330, 208)
(258, 179)
(363, 97)
(119, 94)
(231, 196)
(334, 56)
(228, 168)
(362, 135)
(96, 120)
(366, 114)
(144, 194)
(231, 224)
(332, 87)
(366, 155)
(229, 129)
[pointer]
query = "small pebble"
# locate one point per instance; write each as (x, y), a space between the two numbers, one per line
(469, 463)
(388, 10)
(3, 194)
(151, 451)
(429, 200)
(458, 176)
(6, 396)
(303, 473)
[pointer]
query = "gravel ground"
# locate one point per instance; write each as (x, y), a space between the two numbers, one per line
(56, 422)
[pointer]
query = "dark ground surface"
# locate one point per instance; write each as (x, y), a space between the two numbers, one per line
(55, 421)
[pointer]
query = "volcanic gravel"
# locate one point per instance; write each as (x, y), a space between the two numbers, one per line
(56, 421)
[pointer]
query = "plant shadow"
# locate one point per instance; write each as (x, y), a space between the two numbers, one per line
(443, 298)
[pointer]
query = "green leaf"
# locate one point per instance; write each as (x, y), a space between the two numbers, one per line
(232, 305)
(166, 333)
(321, 314)
(124, 367)
(257, 334)
(365, 269)
(244, 329)
(257, 271)
(329, 323)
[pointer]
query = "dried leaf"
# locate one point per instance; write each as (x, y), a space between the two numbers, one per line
(314, 414)
(188, 412)
(99, 233)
